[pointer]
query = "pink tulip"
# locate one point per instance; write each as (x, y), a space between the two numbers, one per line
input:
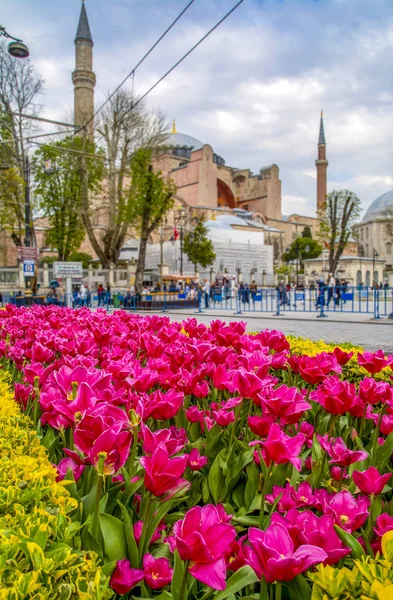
(163, 474)
(202, 538)
(342, 357)
(286, 404)
(315, 369)
(260, 425)
(372, 391)
(349, 514)
(246, 383)
(339, 452)
(173, 439)
(334, 395)
(155, 537)
(124, 578)
(162, 406)
(195, 461)
(68, 464)
(280, 448)
(370, 481)
(384, 523)
(157, 571)
(272, 554)
(234, 555)
(373, 362)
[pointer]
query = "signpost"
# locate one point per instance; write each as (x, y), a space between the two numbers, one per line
(28, 268)
(27, 253)
(70, 271)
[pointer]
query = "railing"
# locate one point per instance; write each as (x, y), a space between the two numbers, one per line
(323, 301)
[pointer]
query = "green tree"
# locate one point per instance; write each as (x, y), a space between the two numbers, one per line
(58, 190)
(301, 249)
(83, 257)
(307, 233)
(198, 247)
(337, 219)
(151, 197)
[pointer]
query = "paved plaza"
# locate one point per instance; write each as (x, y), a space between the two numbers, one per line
(358, 329)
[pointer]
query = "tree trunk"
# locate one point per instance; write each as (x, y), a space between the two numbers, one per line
(140, 268)
(85, 216)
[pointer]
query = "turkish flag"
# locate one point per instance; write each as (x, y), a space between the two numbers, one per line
(176, 234)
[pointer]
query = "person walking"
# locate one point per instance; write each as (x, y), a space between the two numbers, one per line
(331, 287)
(206, 290)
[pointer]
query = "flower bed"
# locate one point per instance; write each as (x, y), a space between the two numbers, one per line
(36, 525)
(194, 462)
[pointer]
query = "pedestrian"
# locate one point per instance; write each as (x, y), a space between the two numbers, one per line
(206, 290)
(253, 290)
(82, 295)
(331, 288)
(100, 294)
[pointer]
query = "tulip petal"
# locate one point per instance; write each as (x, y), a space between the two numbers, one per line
(211, 574)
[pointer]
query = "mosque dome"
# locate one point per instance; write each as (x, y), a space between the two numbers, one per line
(380, 208)
(180, 140)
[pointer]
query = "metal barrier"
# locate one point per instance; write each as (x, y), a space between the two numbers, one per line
(322, 301)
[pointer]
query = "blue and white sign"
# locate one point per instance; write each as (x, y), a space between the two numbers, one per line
(28, 268)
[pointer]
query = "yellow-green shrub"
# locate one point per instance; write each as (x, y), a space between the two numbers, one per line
(35, 520)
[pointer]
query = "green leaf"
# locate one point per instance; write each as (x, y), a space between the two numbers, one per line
(244, 576)
(298, 588)
(252, 484)
(114, 537)
(384, 452)
(132, 548)
(350, 541)
(177, 577)
(216, 479)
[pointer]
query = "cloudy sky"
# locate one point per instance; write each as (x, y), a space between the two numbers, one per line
(253, 90)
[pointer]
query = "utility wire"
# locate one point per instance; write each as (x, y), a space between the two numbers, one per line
(132, 73)
(184, 57)
(89, 155)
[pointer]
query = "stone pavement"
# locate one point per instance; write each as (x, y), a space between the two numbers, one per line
(359, 329)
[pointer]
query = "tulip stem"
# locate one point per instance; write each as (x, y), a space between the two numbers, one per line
(278, 590)
(183, 591)
(263, 496)
(376, 433)
(96, 514)
(263, 594)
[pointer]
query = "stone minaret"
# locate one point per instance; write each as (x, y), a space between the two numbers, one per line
(321, 164)
(83, 77)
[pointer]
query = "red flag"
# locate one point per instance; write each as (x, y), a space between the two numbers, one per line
(175, 234)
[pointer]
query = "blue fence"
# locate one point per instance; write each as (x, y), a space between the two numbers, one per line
(320, 301)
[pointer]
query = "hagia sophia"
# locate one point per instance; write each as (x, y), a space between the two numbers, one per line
(230, 198)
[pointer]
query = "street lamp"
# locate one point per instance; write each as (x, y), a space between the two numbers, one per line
(181, 215)
(375, 255)
(17, 48)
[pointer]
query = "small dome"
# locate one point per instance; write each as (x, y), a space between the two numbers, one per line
(180, 140)
(382, 207)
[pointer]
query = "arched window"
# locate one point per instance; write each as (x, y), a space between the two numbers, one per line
(376, 277)
(366, 250)
(361, 234)
(368, 278)
(388, 248)
(366, 233)
(358, 277)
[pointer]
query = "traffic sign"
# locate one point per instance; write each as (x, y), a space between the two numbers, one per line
(28, 268)
(27, 253)
(68, 269)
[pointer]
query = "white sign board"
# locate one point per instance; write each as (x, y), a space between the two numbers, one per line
(28, 268)
(68, 269)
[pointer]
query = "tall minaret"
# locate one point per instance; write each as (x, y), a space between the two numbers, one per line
(83, 77)
(321, 164)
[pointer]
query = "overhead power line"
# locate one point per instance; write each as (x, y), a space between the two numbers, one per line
(132, 73)
(21, 115)
(184, 57)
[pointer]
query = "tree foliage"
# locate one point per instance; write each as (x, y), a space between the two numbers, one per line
(301, 249)
(337, 218)
(59, 191)
(122, 129)
(307, 233)
(20, 88)
(150, 198)
(198, 247)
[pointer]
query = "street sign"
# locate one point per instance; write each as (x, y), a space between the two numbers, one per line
(68, 269)
(28, 268)
(27, 253)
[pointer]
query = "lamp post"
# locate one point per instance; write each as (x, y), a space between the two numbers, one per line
(181, 215)
(375, 255)
(16, 48)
